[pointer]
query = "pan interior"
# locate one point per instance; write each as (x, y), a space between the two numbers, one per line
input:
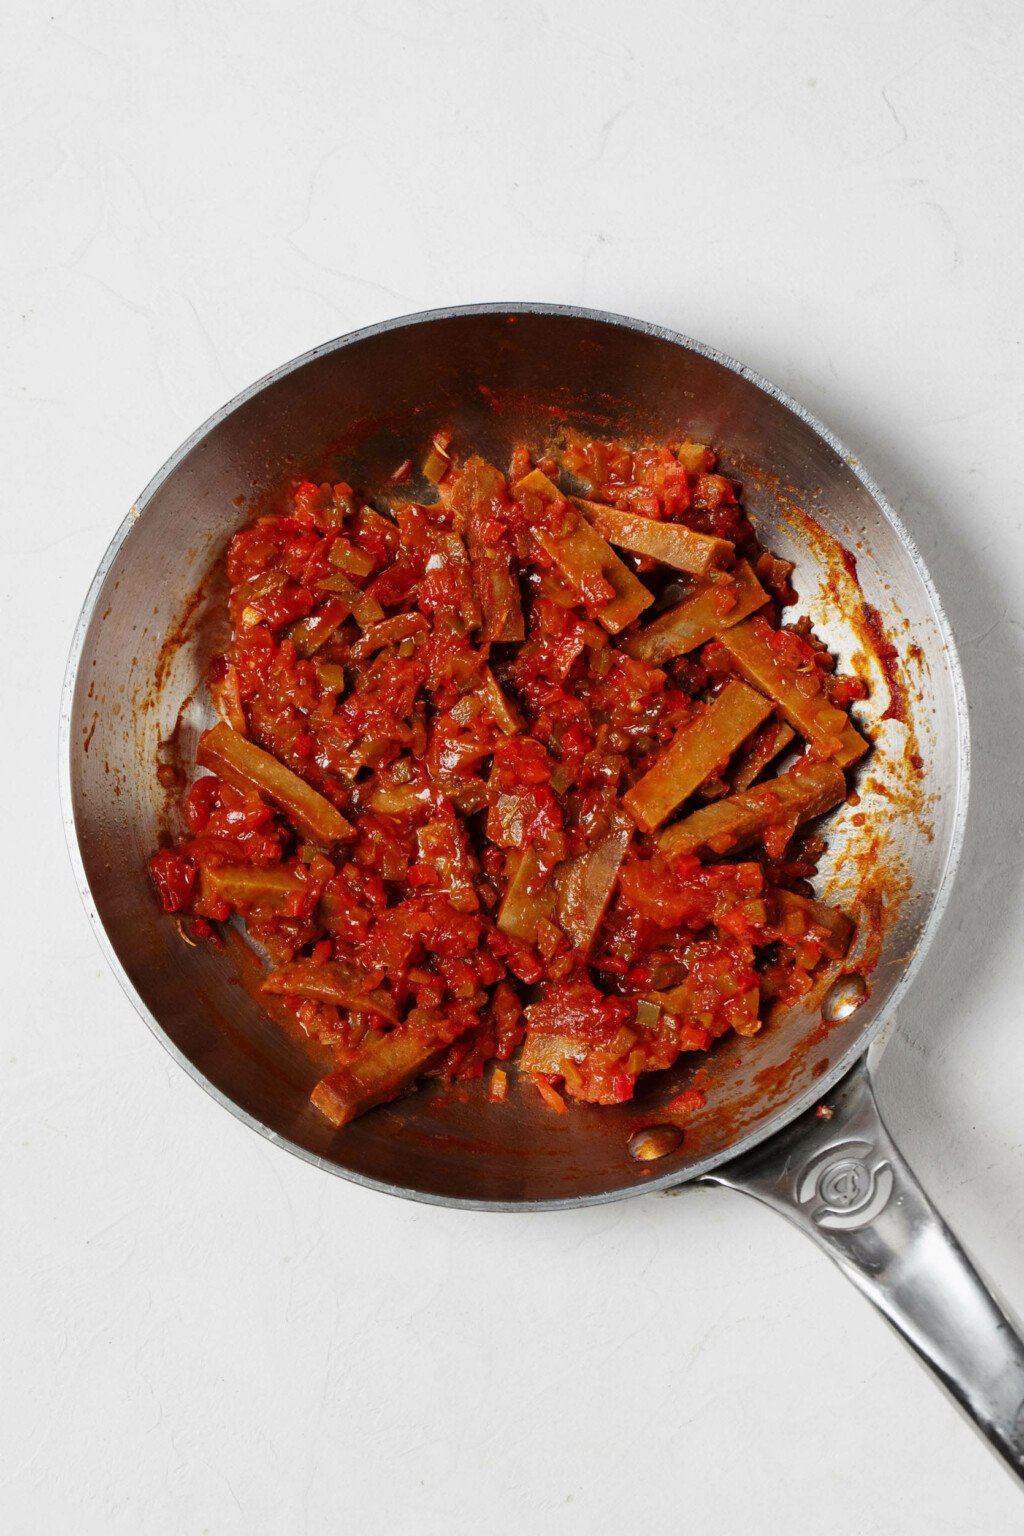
(495, 377)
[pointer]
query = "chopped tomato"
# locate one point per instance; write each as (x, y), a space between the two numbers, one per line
(433, 722)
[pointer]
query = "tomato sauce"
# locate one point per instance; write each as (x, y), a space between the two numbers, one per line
(437, 727)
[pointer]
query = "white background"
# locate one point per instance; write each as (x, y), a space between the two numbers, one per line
(199, 1333)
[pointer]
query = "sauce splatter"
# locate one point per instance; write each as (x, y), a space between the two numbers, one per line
(889, 658)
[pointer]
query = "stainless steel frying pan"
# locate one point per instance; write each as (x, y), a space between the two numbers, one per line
(497, 375)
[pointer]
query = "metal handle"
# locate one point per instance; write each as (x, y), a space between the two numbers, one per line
(841, 1179)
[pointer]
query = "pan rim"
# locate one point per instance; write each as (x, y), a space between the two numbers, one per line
(943, 889)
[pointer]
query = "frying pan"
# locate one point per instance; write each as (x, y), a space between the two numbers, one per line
(791, 1117)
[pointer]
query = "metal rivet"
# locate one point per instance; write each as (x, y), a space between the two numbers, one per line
(654, 1142)
(844, 997)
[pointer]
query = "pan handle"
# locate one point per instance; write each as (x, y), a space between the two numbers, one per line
(840, 1178)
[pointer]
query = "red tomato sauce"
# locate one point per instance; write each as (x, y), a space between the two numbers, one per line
(432, 718)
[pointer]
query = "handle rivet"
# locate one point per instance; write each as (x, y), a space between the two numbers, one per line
(654, 1142)
(844, 997)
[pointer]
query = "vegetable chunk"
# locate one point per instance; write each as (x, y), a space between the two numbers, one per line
(588, 563)
(742, 818)
(379, 1073)
(246, 765)
(671, 544)
(806, 708)
(708, 612)
(695, 752)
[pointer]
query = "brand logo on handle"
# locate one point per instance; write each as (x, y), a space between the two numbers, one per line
(846, 1187)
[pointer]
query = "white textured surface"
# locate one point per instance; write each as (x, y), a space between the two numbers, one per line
(199, 1333)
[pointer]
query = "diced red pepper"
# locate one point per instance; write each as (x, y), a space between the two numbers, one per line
(175, 878)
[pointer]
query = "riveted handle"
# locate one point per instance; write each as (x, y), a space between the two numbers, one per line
(841, 1179)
